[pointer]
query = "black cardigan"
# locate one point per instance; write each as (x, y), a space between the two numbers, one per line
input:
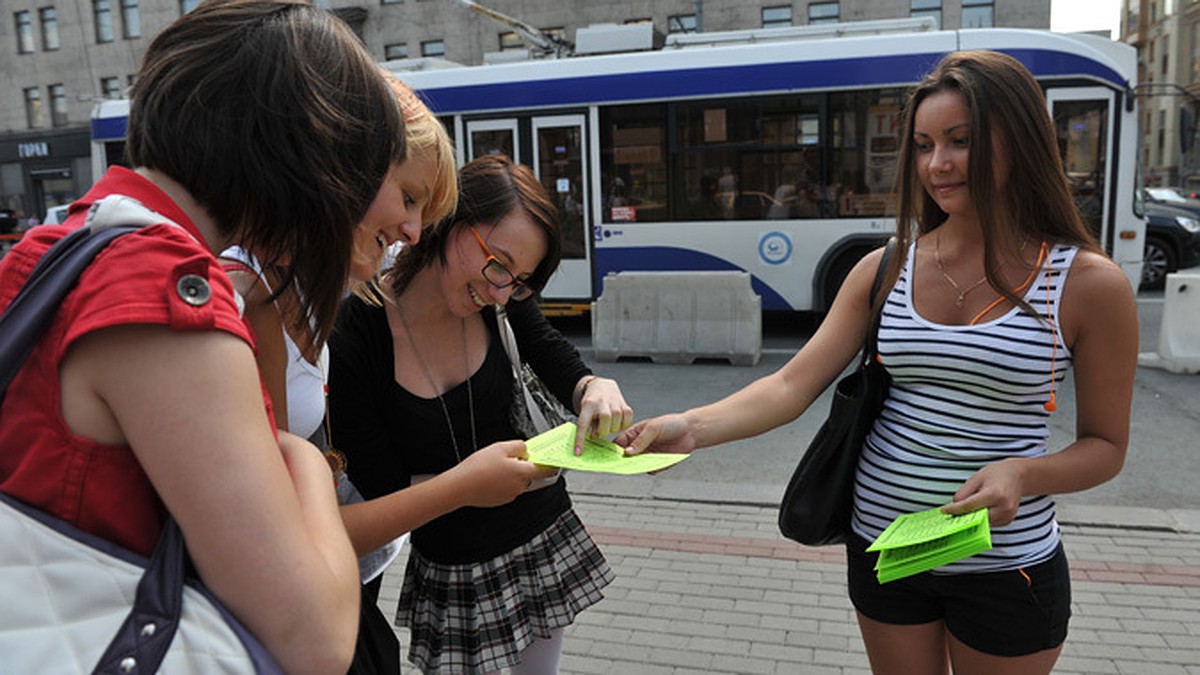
(389, 435)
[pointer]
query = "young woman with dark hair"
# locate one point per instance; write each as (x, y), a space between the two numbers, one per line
(998, 291)
(419, 381)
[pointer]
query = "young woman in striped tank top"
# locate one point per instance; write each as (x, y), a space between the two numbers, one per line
(996, 290)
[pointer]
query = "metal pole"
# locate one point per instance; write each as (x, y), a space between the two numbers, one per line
(699, 16)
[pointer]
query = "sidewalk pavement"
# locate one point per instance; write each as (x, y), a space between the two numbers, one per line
(714, 588)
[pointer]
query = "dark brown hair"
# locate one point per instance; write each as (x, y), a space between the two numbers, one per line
(1001, 95)
(489, 188)
(278, 122)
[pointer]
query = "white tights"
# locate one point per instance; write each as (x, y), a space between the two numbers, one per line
(540, 657)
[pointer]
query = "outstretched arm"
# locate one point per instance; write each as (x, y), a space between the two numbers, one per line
(491, 476)
(780, 397)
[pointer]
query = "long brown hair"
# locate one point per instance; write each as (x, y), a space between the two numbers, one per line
(1000, 95)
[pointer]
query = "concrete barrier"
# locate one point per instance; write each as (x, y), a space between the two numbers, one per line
(678, 317)
(1179, 338)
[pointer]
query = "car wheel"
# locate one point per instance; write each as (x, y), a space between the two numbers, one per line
(1158, 260)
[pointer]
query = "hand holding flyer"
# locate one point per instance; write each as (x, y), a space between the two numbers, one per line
(918, 542)
(556, 447)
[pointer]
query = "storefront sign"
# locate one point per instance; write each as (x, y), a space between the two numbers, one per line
(33, 149)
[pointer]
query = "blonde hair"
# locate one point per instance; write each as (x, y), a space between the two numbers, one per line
(424, 134)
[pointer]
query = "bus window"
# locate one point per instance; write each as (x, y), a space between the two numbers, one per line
(864, 146)
(764, 155)
(633, 163)
(1082, 128)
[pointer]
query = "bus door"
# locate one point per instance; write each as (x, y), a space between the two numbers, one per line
(553, 146)
(558, 161)
(1089, 121)
(1083, 120)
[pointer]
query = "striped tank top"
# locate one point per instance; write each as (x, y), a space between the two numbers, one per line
(963, 397)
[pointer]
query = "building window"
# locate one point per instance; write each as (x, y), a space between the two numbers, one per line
(24, 21)
(433, 48)
(977, 13)
(510, 41)
(824, 12)
(58, 105)
(390, 2)
(33, 107)
(1162, 134)
(394, 52)
(102, 11)
(49, 28)
(131, 17)
(110, 87)
(681, 23)
(1195, 74)
(777, 17)
(186, 6)
(927, 8)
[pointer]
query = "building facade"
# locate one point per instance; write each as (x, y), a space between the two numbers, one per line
(1166, 34)
(58, 59)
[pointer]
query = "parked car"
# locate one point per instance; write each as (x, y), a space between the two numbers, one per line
(1172, 243)
(1173, 196)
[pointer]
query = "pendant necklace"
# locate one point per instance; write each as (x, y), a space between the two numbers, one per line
(429, 377)
(961, 300)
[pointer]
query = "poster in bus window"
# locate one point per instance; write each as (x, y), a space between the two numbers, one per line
(882, 147)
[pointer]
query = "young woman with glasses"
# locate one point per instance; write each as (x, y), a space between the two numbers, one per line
(419, 380)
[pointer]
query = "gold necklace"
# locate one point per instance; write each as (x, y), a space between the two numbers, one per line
(961, 300)
(437, 390)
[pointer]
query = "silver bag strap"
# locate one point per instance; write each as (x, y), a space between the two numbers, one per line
(509, 339)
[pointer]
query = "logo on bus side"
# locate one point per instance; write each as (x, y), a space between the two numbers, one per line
(775, 248)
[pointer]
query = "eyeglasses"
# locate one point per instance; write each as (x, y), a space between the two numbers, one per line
(500, 276)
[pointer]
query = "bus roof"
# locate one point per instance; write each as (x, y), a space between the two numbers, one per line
(847, 62)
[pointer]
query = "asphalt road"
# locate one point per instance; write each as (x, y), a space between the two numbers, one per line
(1162, 469)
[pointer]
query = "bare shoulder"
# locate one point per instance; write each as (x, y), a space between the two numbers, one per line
(1095, 276)
(1098, 298)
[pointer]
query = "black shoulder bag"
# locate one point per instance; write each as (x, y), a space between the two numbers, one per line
(816, 505)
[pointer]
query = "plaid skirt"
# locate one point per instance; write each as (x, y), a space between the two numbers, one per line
(477, 617)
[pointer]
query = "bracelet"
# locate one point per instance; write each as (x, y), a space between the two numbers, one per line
(581, 389)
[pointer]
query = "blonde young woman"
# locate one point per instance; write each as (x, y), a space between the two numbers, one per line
(294, 364)
(999, 290)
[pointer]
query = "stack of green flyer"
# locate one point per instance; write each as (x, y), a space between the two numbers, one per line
(556, 447)
(918, 542)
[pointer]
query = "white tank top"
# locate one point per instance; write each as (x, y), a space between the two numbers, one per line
(963, 397)
(305, 381)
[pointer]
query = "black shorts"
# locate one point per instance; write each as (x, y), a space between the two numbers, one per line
(1008, 613)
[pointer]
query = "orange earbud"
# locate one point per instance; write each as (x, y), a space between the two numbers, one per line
(1050, 405)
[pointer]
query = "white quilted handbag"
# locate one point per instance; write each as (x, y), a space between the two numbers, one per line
(71, 602)
(67, 593)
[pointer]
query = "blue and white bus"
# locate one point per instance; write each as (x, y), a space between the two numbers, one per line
(772, 156)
